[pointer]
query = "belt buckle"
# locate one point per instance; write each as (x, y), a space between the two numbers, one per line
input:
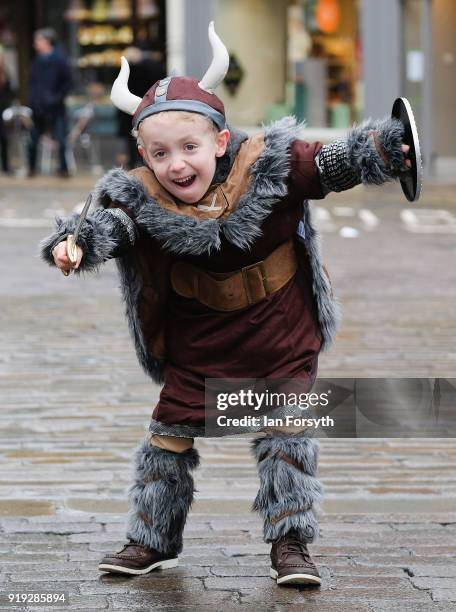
(264, 279)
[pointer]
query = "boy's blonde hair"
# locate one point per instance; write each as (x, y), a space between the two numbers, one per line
(185, 115)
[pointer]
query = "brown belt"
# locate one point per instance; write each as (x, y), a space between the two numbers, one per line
(235, 290)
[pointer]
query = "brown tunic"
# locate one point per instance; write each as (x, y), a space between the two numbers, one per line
(278, 337)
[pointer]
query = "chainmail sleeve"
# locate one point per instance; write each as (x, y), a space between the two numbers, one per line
(336, 174)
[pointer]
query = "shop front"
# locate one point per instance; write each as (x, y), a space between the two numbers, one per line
(300, 57)
(324, 62)
(328, 62)
(93, 34)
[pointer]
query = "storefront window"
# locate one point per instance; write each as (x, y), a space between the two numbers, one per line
(324, 63)
(96, 33)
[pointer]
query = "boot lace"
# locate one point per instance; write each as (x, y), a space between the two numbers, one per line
(125, 546)
(292, 545)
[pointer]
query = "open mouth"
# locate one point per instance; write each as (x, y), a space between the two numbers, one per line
(185, 182)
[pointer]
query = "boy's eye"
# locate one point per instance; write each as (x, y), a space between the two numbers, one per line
(190, 147)
(159, 154)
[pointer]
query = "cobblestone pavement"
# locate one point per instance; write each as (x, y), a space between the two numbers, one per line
(74, 405)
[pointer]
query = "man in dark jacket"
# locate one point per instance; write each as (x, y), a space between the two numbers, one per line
(50, 81)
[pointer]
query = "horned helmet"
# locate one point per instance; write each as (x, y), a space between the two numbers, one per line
(176, 92)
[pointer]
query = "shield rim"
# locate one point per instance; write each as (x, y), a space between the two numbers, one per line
(416, 149)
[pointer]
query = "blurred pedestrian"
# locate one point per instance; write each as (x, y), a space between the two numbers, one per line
(50, 82)
(143, 71)
(6, 98)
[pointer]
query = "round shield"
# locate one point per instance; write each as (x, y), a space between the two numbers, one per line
(411, 179)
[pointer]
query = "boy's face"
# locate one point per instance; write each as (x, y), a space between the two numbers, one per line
(182, 153)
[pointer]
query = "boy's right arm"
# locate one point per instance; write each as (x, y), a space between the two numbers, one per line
(105, 234)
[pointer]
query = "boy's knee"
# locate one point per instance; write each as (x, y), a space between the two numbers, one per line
(171, 443)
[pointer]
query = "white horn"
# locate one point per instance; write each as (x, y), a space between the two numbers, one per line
(121, 96)
(219, 65)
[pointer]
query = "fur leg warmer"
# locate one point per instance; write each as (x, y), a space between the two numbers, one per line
(161, 497)
(287, 467)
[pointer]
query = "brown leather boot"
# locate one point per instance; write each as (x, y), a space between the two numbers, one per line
(135, 559)
(291, 562)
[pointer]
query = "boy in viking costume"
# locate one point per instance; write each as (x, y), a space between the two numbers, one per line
(222, 278)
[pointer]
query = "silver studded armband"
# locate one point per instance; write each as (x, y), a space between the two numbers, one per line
(127, 232)
(336, 173)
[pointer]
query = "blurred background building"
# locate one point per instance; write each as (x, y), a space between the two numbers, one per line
(330, 62)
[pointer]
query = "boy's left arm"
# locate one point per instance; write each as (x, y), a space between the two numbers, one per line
(373, 153)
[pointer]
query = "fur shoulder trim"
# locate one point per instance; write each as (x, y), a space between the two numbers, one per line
(177, 234)
(328, 308)
(181, 234)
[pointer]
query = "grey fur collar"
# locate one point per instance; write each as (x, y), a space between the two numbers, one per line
(181, 234)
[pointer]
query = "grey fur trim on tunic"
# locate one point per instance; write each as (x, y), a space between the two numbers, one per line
(285, 490)
(130, 286)
(328, 308)
(160, 497)
(186, 235)
(181, 234)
